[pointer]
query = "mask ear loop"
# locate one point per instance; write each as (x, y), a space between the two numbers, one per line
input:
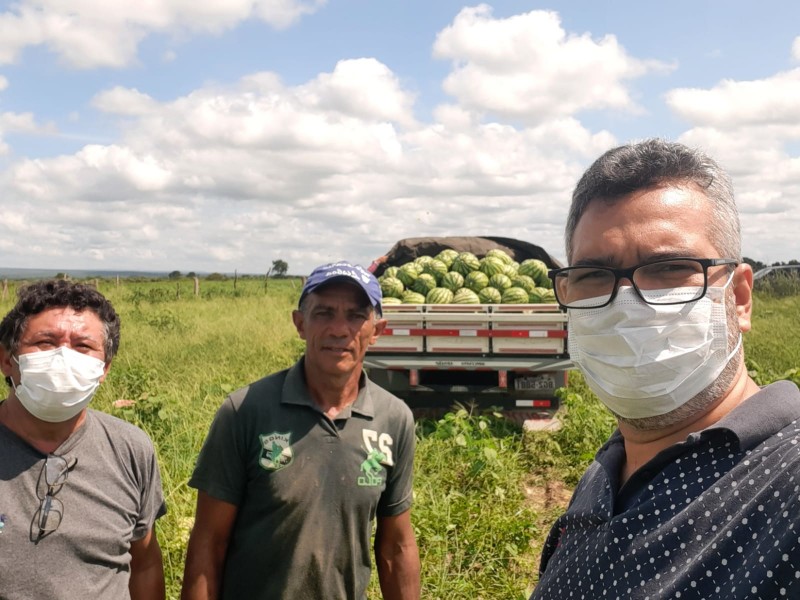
(10, 379)
(720, 295)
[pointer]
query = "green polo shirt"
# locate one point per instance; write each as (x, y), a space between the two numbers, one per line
(307, 487)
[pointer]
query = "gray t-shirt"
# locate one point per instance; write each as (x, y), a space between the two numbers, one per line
(112, 497)
(307, 488)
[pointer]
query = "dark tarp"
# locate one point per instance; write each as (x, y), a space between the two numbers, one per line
(410, 248)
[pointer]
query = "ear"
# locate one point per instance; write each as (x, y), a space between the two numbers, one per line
(297, 319)
(6, 363)
(106, 368)
(742, 285)
(377, 331)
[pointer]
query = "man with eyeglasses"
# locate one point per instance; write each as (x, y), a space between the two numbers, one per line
(697, 493)
(80, 490)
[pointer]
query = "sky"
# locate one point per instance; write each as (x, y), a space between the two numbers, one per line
(221, 135)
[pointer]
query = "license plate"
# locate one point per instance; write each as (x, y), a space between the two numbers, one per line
(540, 382)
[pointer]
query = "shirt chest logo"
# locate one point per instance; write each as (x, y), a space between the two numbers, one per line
(371, 469)
(276, 451)
(379, 455)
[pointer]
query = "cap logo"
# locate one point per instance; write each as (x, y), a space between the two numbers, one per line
(357, 273)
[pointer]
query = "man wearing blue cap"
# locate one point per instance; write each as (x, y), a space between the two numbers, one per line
(298, 464)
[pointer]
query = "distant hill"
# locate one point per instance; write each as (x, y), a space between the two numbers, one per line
(9, 273)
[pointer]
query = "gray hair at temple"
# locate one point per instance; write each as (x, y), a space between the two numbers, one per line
(648, 164)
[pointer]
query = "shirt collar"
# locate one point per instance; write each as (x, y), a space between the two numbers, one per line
(757, 418)
(761, 415)
(295, 391)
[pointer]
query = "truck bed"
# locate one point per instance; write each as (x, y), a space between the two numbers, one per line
(435, 356)
(510, 356)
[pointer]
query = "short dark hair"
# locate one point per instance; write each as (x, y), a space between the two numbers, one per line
(37, 297)
(651, 163)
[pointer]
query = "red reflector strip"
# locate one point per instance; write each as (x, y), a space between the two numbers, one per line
(455, 332)
(534, 403)
(498, 333)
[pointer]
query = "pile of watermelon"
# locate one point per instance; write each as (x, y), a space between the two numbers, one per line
(453, 277)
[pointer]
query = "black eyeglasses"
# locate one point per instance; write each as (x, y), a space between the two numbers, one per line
(51, 510)
(595, 287)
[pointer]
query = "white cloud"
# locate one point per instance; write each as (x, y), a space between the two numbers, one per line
(3, 83)
(362, 88)
(235, 175)
(752, 128)
(21, 123)
(528, 67)
(92, 33)
(335, 167)
(796, 49)
(123, 101)
(769, 101)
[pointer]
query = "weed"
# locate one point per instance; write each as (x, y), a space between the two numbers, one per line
(485, 493)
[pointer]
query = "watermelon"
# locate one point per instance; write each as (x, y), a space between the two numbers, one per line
(439, 295)
(524, 282)
(436, 268)
(408, 274)
(391, 272)
(424, 283)
(541, 295)
(490, 295)
(534, 268)
(422, 260)
(465, 262)
(511, 271)
(500, 281)
(390, 300)
(411, 297)
(447, 256)
(492, 265)
(476, 281)
(465, 296)
(502, 255)
(515, 295)
(452, 281)
(391, 287)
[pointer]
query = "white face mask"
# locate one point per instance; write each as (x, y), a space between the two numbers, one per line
(55, 385)
(645, 360)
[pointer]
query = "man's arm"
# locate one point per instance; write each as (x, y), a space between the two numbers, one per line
(208, 545)
(397, 558)
(147, 569)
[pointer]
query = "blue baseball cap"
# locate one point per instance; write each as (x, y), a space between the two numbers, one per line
(349, 273)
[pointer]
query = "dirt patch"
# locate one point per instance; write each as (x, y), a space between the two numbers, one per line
(546, 495)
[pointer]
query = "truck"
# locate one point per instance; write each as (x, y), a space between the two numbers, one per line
(511, 357)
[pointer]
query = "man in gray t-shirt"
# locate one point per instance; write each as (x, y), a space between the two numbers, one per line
(80, 490)
(297, 466)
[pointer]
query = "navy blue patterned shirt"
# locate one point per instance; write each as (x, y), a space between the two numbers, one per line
(716, 516)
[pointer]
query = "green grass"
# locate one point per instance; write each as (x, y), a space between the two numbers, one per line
(485, 492)
(772, 347)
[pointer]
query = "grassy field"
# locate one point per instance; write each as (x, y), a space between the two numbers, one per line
(485, 493)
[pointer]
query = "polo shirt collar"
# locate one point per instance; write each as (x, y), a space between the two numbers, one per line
(762, 415)
(757, 418)
(295, 391)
